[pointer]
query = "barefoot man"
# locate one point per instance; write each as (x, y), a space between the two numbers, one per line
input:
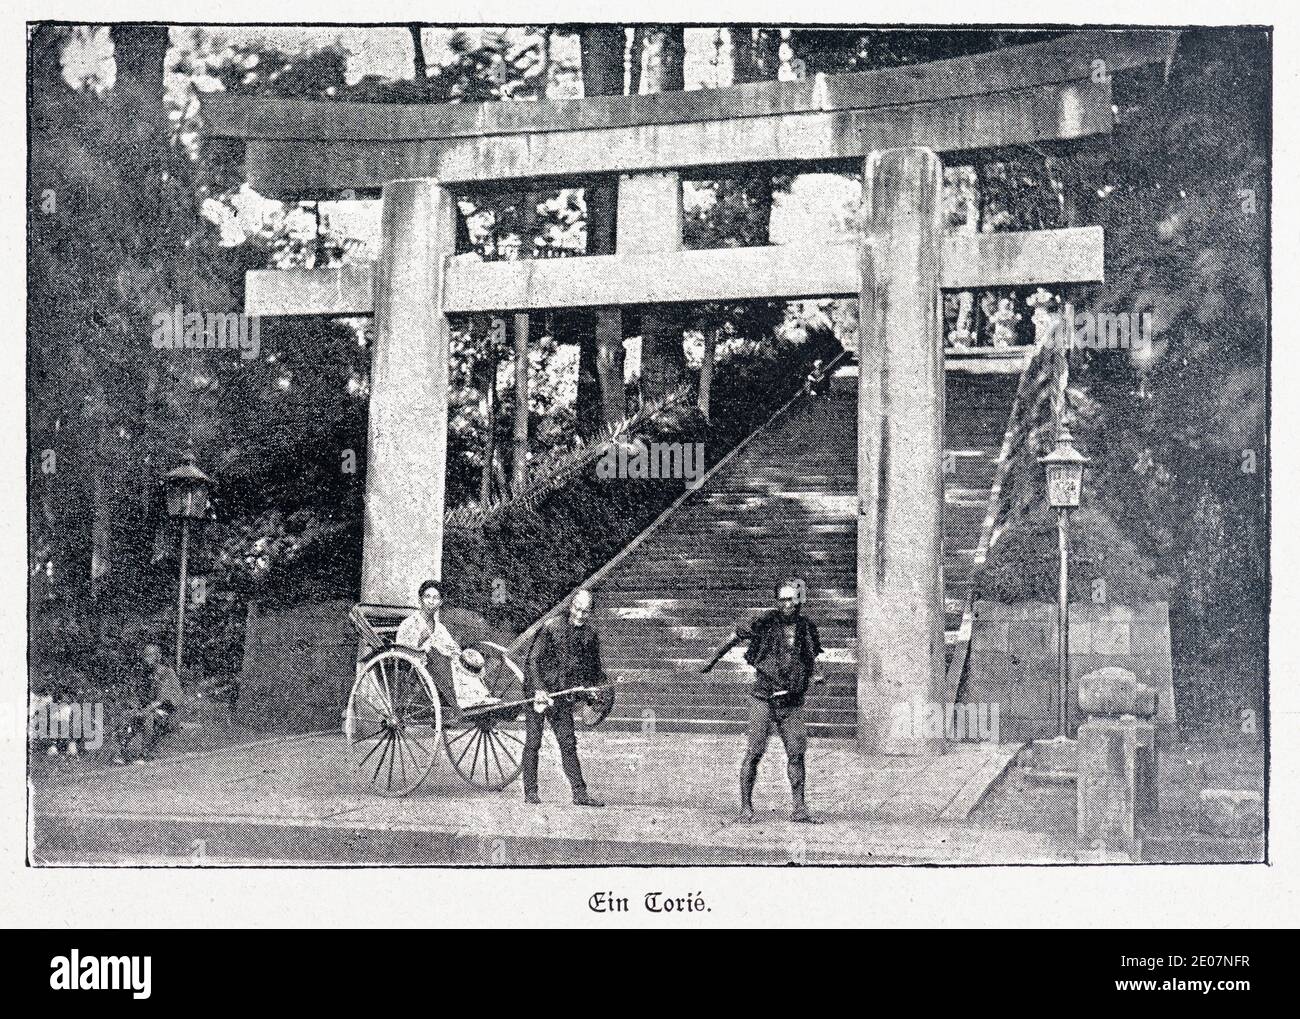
(783, 649)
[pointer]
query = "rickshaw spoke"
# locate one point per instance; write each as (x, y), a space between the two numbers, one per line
(401, 758)
(387, 740)
(478, 745)
(389, 783)
(461, 735)
(416, 743)
(473, 742)
(379, 713)
(415, 684)
(514, 761)
(461, 758)
(378, 744)
(491, 745)
(401, 670)
(388, 693)
(395, 683)
(367, 699)
(367, 738)
(384, 708)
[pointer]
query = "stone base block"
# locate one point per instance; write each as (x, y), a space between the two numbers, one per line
(1117, 783)
(1051, 755)
(1235, 813)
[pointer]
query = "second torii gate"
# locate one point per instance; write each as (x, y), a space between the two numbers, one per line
(895, 122)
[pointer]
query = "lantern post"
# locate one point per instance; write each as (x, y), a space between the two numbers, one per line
(1064, 467)
(187, 499)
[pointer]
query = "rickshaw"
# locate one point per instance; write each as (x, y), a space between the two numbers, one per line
(399, 710)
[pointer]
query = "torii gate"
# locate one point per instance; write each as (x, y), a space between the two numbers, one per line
(895, 121)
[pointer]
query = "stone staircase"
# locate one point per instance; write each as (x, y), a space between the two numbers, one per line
(976, 415)
(783, 503)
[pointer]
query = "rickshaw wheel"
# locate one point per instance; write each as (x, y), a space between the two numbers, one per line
(486, 747)
(392, 722)
(484, 750)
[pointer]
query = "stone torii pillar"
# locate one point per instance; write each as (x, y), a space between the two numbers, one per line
(900, 452)
(406, 456)
(650, 222)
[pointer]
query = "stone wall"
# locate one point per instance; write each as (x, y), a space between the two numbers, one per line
(299, 665)
(1013, 659)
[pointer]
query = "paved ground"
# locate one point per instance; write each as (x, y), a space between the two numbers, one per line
(671, 799)
(1224, 759)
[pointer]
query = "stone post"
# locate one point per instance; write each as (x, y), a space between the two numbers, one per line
(1118, 772)
(900, 454)
(407, 446)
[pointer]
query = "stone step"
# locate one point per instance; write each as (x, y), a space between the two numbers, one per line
(841, 711)
(618, 633)
(732, 671)
(639, 614)
(735, 728)
(835, 692)
(819, 598)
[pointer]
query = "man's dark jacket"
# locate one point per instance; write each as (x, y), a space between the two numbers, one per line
(764, 654)
(563, 655)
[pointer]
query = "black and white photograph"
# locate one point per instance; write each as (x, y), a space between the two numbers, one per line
(581, 445)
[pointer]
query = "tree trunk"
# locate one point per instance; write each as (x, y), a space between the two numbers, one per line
(544, 59)
(417, 42)
(665, 70)
(139, 52)
(602, 50)
(602, 345)
(490, 413)
(101, 528)
(635, 58)
(706, 370)
(609, 364)
(755, 56)
(663, 361)
(45, 57)
(519, 462)
(589, 411)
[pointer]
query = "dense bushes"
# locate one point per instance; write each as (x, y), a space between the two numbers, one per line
(1105, 565)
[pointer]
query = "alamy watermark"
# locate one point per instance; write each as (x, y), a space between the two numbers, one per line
(77, 972)
(1101, 330)
(177, 329)
(959, 723)
(642, 460)
(59, 721)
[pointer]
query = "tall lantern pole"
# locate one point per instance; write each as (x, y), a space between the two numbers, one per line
(187, 499)
(1064, 467)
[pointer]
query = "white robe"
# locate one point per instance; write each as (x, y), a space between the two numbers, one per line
(415, 632)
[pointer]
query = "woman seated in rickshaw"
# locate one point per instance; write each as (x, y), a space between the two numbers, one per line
(446, 638)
